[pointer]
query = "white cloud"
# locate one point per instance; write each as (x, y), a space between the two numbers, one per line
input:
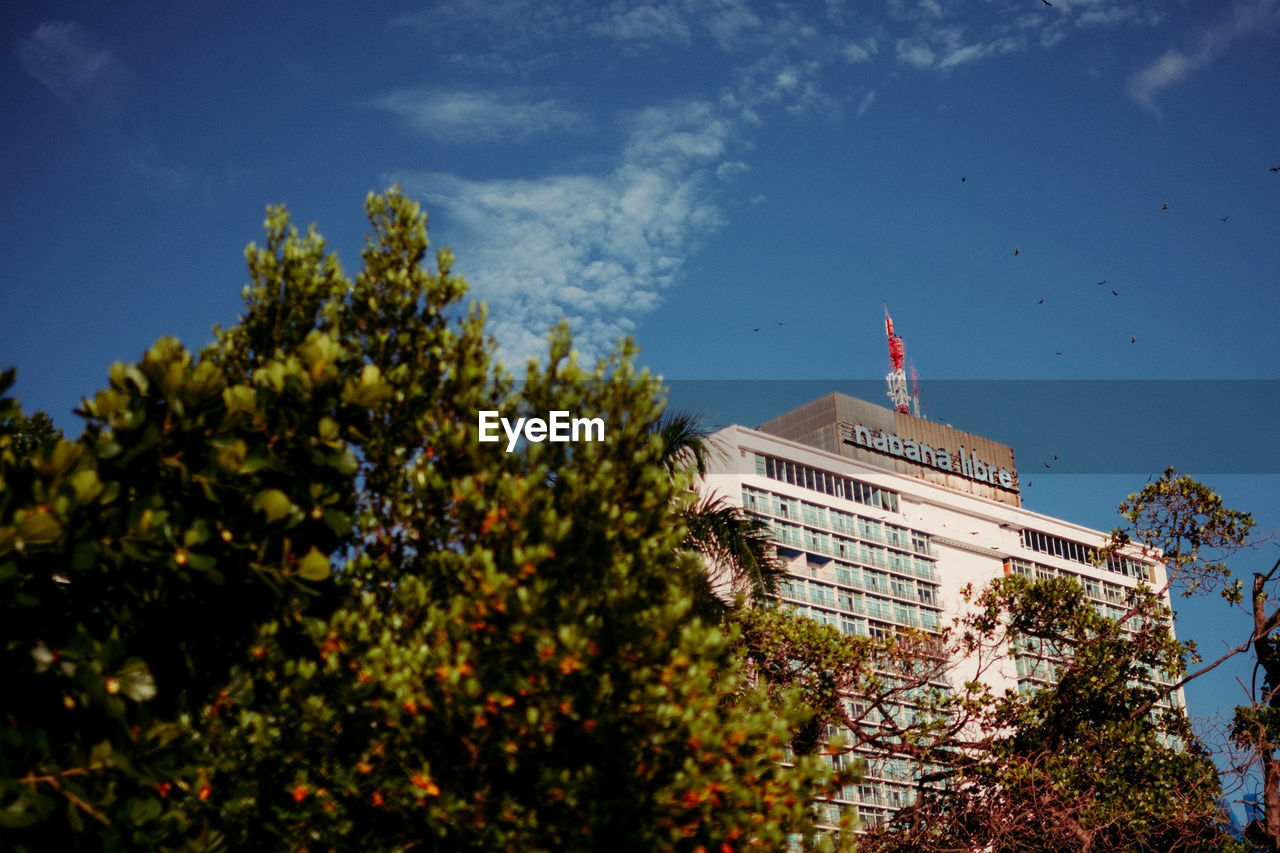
(79, 71)
(859, 52)
(477, 116)
(649, 22)
(867, 101)
(931, 8)
(1169, 69)
(731, 169)
(88, 78)
(915, 53)
(1175, 65)
(733, 23)
(595, 249)
(1109, 16)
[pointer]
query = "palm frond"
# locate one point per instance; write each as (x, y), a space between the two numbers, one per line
(736, 547)
(684, 441)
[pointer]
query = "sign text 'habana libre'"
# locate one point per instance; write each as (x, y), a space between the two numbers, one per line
(965, 463)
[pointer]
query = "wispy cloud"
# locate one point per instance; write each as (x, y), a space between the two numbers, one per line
(915, 52)
(75, 68)
(600, 248)
(476, 116)
(866, 102)
(1175, 65)
(86, 76)
(597, 250)
(859, 51)
(648, 22)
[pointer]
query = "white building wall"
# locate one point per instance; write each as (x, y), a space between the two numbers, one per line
(971, 540)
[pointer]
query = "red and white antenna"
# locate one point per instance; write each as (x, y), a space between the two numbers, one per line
(915, 390)
(897, 377)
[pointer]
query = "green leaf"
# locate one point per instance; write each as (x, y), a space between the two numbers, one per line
(136, 680)
(39, 528)
(338, 522)
(274, 503)
(314, 566)
(16, 816)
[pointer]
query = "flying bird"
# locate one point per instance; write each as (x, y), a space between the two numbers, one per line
(1059, 352)
(1166, 206)
(1041, 302)
(1275, 168)
(1223, 219)
(780, 323)
(1016, 251)
(1104, 281)
(1133, 340)
(1046, 2)
(962, 180)
(1113, 293)
(755, 330)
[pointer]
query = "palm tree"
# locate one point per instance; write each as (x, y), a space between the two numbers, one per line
(740, 560)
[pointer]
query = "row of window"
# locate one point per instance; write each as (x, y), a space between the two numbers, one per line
(1044, 543)
(815, 591)
(816, 515)
(925, 593)
(817, 542)
(826, 482)
(1094, 588)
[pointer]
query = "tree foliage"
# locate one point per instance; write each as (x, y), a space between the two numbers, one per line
(1089, 762)
(278, 596)
(1101, 757)
(22, 434)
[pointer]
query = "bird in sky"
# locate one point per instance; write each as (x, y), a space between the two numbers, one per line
(1046, 2)
(780, 323)
(1224, 219)
(1133, 340)
(755, 330)
(963, 179)
(1016, 251)
(1104, 281)
(1166, 206)
(1114, 293)
(1041, 302)
(1059, 352)
(1275, 168)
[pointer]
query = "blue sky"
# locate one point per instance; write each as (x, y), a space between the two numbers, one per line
(686, 172)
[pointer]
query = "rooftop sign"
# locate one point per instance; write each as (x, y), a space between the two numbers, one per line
(963, 462)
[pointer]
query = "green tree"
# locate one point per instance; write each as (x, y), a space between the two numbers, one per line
(279, 596)
(24, 435)
(1097, 760)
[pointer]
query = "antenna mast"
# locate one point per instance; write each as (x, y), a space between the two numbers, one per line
(897, 377)
(915, 390)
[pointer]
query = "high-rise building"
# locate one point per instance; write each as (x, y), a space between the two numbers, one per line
(882, 518)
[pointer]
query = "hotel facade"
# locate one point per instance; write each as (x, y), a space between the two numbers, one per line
(881, 519)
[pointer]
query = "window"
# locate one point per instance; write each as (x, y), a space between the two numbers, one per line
(1078, 552)
(826, 482)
